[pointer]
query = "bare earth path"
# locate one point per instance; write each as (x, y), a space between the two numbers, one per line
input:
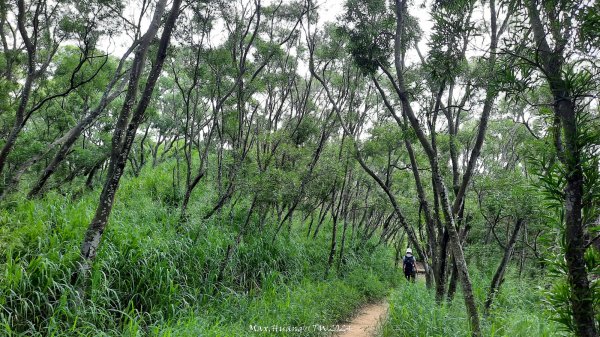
(366, 321)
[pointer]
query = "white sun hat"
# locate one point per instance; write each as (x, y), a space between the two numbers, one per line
(408, 251)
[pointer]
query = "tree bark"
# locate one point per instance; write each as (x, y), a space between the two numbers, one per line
(454, 276)
(440, 288)
(447, 210)
(499, 275)
(21, 117)
(569, 154)
(424, 205)
(124, 133)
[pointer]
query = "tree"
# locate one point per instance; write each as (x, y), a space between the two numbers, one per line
(42, 33)
(553, 26)
(126, 128)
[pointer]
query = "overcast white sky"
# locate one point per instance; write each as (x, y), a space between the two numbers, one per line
(329, 11)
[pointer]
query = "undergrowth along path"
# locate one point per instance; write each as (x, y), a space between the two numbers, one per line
(366, 321)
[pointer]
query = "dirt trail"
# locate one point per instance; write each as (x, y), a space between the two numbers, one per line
(366, 321)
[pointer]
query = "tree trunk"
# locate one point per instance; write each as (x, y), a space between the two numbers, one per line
(499, 275)
(342, 244)
(125, 131)
(581, 297)
(21, 117)
(60, 155)
(440, 288)
(89, 181)
(447, 208)
(322, 219)
(424, 205)
(454, 276)
(73, 134)
(333, 245)
(232, 248)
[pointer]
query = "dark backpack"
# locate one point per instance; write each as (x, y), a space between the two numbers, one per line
(409, 263)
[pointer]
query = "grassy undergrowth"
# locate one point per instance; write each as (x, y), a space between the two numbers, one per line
(151, 278)
(517, 311)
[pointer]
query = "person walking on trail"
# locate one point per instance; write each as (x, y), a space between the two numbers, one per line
(409, 265)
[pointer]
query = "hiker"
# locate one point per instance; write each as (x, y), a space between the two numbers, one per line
(409, 265)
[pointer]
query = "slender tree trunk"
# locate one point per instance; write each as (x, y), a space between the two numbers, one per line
(447, 209)
(312, 219)
(459, 258)
(124, 133)
(442, 254)
(322, 219)
(199, 175)
(453, 283)
(342, 244)
(423, 203)
(398, 248)
(232, 248)
(522, 255)
(409, 230)
(21, 117)
(89, 182)
(333, 245)
(56, 160)
(222, 200)
(499, 275)
(454, 272)
(188, 194)
(71, 137)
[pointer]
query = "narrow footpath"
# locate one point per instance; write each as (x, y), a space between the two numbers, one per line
(366, 322)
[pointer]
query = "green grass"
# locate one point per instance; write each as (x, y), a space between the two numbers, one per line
(152, 279)
(517, 311)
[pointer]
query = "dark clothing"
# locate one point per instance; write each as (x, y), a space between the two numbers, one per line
(410, 267)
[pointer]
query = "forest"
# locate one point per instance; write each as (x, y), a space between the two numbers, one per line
(260, 167)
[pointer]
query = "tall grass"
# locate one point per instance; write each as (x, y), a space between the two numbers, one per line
(517, 312)
(151, 278)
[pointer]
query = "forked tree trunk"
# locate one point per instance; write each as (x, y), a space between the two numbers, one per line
(190, 186)
(125, 130)
(454, 239)
(499, 275)
(424, 205)
(459, 258)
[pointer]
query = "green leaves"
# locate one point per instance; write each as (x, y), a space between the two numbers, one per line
(588, 33)
(451, 27)
(369, 26)
(385, 137)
